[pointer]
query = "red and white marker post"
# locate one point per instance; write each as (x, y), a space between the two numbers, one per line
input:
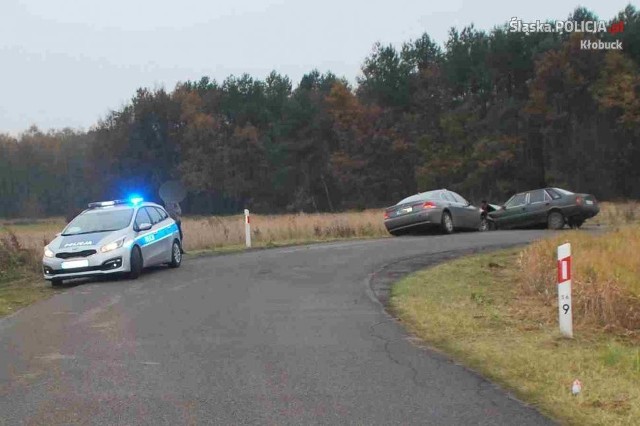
(247, 228)
(564, 290)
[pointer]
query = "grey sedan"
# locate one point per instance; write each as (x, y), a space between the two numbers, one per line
(441, 208)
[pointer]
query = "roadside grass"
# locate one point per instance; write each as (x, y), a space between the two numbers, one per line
(265, 245)
(18, 268)
(17, 294)
(614, 214)
(482, 311)
(606, 277)
(271, 230)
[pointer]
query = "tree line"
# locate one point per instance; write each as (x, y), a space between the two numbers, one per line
(487, 114)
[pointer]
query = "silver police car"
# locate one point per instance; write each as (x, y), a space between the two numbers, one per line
(120, 236)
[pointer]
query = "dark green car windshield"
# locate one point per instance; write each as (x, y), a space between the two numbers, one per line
(563, 191)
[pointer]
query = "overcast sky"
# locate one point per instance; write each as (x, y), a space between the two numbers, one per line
(68, 62)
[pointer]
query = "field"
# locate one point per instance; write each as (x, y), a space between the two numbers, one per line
(210, 233)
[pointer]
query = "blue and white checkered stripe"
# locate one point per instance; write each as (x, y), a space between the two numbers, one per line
(158, 235)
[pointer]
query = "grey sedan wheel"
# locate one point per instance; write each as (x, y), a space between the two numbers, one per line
(447, 223)
(555, 220)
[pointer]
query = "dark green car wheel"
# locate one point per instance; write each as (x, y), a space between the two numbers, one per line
(555, 220)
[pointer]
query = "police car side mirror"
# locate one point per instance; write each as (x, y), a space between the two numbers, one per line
(144, 226)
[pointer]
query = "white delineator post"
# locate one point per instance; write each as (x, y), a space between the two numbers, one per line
(247, 228)
(565, 311)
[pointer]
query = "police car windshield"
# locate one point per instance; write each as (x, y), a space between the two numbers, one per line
(99, 221)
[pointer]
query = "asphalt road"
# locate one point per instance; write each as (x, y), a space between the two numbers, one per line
(281, 336)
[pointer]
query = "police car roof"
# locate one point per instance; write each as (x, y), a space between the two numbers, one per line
(119, 205)
(107, 208)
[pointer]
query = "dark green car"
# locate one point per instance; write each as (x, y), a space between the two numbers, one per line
(553, 207)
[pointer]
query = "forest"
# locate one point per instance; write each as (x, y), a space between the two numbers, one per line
(486, 114)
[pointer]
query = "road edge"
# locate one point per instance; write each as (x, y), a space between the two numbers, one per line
(378, 288)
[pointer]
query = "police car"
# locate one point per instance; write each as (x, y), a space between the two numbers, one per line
(120, 236)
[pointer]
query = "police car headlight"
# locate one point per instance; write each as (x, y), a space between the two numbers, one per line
(48, 252)
(112, 246)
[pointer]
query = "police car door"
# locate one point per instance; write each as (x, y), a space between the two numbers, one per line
(167, 234)
(157, 250)
(144, 238)
(163, 238)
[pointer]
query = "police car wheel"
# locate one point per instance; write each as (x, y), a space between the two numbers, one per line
(135, 263)
(57, 282)
(176, 255)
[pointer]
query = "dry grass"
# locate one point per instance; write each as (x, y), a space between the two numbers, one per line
(617, 214)
(217, 232)
(605, 281)
(16, 260)
(471, 309)
(18, 267)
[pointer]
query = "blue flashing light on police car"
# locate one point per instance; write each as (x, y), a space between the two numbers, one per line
(116, 236)
(135, 199)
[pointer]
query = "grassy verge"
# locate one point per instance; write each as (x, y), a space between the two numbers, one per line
(481, 311)
(275, 230)
(617, 214)
(18, 284)
(227, 249)
(17, 294)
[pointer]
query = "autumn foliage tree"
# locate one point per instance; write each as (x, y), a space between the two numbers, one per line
(486, 114)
